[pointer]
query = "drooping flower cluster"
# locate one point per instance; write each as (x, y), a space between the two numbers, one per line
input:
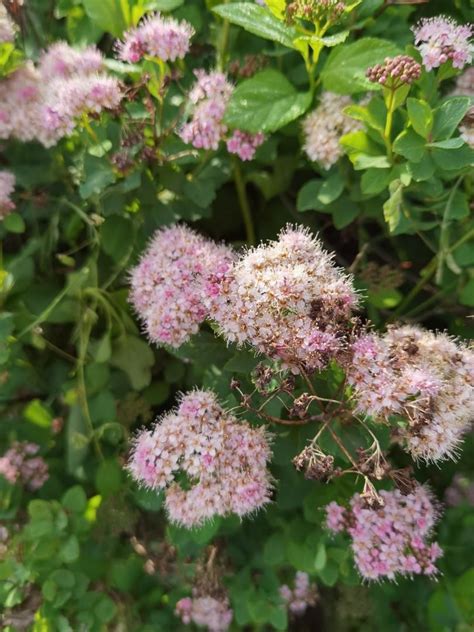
(7, 27)
(178, 273)
(441, 39)
(7, 186)
(20, 465)
(395, 71)
(301, 596)
(224, 461)
(287, 299)
(164, 38)
(244, 144)
(44, 103)
(391, 539)
(324, 127)
(427, 378)
(209, 97)
(205, 611)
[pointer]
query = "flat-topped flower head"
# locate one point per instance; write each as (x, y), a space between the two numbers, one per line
(20, 464)
(441, 39)
(209, 97)
(206, 611)
(61, 61)
(177, 275)
(223, 460)
(288, 300)
(7, 186)
(166, 39)
(314, 10)
(390, 540)
(424, 377)
(324, 127)
(395, 72)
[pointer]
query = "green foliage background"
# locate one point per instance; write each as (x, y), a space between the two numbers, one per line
(71, 352)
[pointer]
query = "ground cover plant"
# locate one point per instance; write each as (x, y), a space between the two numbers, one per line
(236, 277)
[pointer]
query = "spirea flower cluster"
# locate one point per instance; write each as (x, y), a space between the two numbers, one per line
(324, 127)
(174, 283)
(425, 377)
(395, 71)
(301, 596)
(441, 39)
(7, 27)
(7, 186)
(392, 539)
(224, 461)
(45, 102)
(209, 98)
(164, 38)
(205, 611)
(287, 299)
(20, 465)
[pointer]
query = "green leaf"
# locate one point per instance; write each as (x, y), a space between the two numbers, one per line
(98, 175)
(77, 440)
(466, 295)
(448, 116)
(75, 499)
(163, 5)
(346, 66)
(105, 610)
(265, 103)
(244, 361)
(321, 557)
(331, 189)
(14, 223)
(109, 477)
(363, 152)
(38, 414)
(69, 552)
(307, 199)
(393, 206)
(113, 16)
(449, 143)
(386, 298)
(420, 116)
(115, 234)
(135, 358)
(274, 549)
(259, 21)
(410, 145)
(374, 181)
(344, 212)
(453, 159)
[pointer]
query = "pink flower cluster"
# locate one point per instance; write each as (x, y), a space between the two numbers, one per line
(20, 465)
(392, 539)
(205, 611)
(244, 144)
(164, 38)
(324, 127)
(44, 103)
(287, 299)
(441, 39)
(176, 274)
(427, 378)
(7, 186)
(224, 461)
(7, 27)
(209, 98)
(302, 595)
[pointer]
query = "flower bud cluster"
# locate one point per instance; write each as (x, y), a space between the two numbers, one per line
(425, 377)
(287, 299)
(20, 465)
(395, 71)
(441, 39)
(314, 10)
(324, 127)
(45, 102)
(392, 539)
(205, 611)
(177, 275)
(166, 39)
(301, 596)
(224, 461)
(7, 186)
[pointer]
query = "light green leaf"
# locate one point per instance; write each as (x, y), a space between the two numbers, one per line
(409, 145)
(448, 116)
(113, 16)
(259, 21)
(421, 116)
(265, 103)
(392, 207)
